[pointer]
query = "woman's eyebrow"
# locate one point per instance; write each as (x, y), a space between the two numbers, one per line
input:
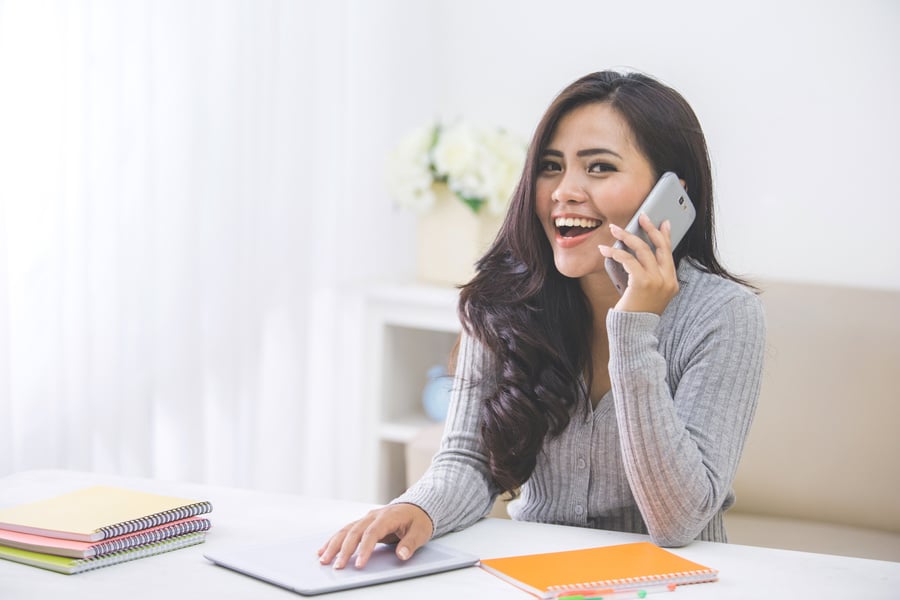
(583, 153)
(595, 151)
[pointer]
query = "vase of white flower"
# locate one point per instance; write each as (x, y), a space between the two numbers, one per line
(451, 238)
(458, 178)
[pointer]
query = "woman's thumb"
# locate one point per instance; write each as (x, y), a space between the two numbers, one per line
(411, 542)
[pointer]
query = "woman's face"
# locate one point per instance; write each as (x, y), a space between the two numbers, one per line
(591, 174)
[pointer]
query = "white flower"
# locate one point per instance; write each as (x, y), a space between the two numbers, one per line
(458, 155)
(481, 166)
(505, 157)
(409, 177)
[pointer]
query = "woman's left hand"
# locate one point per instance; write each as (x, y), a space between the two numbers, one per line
(652, 277)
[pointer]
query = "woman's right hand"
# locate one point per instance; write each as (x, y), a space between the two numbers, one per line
(652, 277)
(407, 525)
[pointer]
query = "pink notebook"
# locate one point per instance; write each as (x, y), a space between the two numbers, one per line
(77, 549)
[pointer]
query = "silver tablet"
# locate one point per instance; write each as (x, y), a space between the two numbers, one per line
(293, 564)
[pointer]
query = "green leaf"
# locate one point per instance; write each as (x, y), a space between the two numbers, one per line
(435, 135)
(474, 203)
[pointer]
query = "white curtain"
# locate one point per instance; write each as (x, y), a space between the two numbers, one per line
(165, 216)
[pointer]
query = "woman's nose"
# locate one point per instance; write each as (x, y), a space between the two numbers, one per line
(570, 189)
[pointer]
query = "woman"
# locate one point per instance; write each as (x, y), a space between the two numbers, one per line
(626, 412)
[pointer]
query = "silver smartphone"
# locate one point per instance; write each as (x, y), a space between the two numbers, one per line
(668, 200)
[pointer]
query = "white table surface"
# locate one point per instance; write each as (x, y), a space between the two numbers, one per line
(241, 516)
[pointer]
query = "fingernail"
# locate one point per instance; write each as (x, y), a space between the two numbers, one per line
(403, 552)
(358, 562)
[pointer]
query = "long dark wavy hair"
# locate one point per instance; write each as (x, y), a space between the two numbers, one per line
(536, 322)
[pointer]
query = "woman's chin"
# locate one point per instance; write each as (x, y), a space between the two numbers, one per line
(574, 269)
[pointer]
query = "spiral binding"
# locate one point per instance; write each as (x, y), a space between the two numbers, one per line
(149, 537)
(86, 564)
(628, 583)
(161, 518)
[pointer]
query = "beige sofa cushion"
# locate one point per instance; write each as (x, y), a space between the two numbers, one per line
(812, 536)
(825, 444)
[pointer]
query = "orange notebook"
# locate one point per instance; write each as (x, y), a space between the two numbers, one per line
(609, 568)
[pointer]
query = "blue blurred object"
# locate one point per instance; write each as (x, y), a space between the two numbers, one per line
(436, 394)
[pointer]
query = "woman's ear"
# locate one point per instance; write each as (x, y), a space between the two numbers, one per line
(683, 184)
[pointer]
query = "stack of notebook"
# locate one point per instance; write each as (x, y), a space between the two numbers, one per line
(99, 526)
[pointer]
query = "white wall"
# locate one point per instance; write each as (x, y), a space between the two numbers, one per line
(273, 183)
(799, 101)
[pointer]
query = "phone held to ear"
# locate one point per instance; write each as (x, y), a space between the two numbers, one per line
(668, 200)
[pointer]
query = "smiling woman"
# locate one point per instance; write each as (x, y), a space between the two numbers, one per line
(616, 412)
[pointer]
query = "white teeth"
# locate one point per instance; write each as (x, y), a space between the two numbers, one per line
(576, 222)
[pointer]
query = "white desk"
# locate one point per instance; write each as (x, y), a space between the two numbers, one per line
(244, 516)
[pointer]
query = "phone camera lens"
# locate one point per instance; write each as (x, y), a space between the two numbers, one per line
(681, 200)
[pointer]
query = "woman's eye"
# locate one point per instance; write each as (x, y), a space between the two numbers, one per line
(549, 166)
(601, 167)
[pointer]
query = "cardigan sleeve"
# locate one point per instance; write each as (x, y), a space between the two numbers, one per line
(457, 489)
(683, 425)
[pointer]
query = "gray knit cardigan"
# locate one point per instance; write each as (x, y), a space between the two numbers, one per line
(659, 453)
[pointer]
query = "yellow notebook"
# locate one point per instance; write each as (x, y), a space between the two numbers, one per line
(98, 513)
(609, 568)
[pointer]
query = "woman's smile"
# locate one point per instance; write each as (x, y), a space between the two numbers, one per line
(574, 230)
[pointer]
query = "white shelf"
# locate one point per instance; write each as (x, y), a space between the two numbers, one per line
(404, 429)
(420, 306)
(408, 328)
